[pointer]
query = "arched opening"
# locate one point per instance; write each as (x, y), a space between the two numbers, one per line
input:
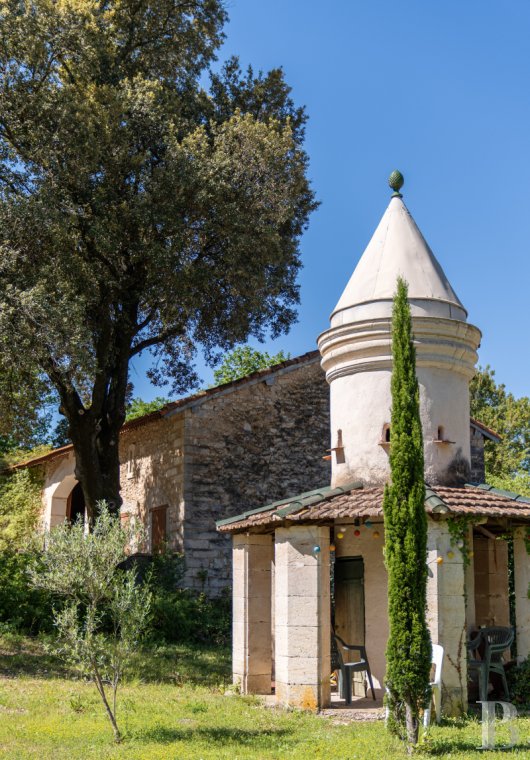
(75, 505)
(67, 502)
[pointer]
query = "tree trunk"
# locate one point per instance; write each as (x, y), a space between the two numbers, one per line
(94, 428)
(101, 688)
(97, 464)
(412, 726)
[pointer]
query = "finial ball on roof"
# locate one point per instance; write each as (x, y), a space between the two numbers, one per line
(396, 181)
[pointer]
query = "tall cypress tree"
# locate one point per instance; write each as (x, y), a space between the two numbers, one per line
(408, 654)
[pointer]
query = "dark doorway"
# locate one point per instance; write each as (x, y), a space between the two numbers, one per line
(75, 508)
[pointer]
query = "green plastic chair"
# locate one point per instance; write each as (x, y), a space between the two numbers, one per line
(487, 649)
(347, 669)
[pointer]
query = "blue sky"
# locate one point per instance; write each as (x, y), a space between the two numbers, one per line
(440, 91)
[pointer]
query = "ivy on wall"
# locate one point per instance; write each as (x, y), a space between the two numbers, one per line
(459, 531)
(20, 505)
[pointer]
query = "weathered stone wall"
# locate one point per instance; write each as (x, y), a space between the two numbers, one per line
(478, 474)
(151, 473)
(247, 447)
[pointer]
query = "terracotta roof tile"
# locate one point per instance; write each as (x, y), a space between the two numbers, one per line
(367, 502)
(488, 432)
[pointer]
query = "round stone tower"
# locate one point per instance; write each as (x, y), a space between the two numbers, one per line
(357, 357)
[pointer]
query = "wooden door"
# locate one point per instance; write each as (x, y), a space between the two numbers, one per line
(158, 528)
(349, 609)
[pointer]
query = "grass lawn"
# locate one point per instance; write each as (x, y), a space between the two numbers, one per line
(175, 707)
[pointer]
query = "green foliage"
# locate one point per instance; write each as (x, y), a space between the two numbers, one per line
(20, 505)
(518, 683)
(519, 484)
(167, 569)
(494, 406)
(243, 361)
(146, 204)
(459, 531)
(106, 611)
(408, 654)
(138, 408)
(183, 616)
(14, 456)
(22, 607)
(25, 402)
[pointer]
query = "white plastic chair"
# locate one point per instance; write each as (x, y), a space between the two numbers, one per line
(436, 685)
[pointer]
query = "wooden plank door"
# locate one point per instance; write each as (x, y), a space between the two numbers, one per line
(349, 610)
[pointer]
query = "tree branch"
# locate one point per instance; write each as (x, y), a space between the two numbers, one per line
(148, 342)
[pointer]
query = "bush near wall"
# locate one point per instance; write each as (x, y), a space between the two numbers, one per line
(181, 615)
(22, 608)
(20, 505)
(519, 684)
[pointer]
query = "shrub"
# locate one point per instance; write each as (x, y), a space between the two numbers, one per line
(20, 504)
(106, 609)
(184, 616)
(23, 608)
(519, 684)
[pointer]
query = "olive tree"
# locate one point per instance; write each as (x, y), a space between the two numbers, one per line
(106, 609)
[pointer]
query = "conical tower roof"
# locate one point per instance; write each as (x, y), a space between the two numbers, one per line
(397, 249)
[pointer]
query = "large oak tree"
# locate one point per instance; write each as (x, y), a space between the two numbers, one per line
(147, 203)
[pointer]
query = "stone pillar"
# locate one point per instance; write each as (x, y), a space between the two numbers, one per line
(446, 614)
(521, 562)
(303, 617)
(251, 616)
(471, 614)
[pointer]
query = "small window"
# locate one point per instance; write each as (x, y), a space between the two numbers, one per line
(441, 433)
(385, 436)
(158, 528)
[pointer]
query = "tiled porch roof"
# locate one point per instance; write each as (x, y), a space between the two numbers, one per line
(354, 501)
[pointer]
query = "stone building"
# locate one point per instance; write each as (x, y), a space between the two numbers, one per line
(216, 454)
(209, 456)
(283, 551)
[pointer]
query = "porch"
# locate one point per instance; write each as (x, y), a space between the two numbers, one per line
(323, 561)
